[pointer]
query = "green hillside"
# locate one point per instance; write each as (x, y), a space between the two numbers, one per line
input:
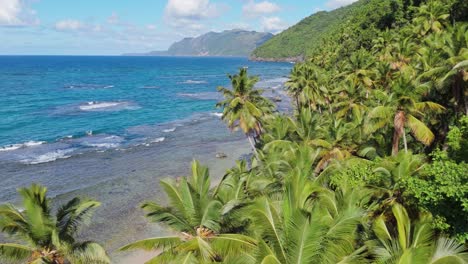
(362, 17)
(226, 43)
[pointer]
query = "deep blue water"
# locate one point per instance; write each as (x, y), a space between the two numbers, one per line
(54, 106)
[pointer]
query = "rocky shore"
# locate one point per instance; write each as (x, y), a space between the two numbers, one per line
(295, 59)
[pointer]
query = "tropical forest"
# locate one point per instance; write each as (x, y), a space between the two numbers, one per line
(368, 166)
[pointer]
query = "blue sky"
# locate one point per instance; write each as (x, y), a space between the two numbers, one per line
(108, 27)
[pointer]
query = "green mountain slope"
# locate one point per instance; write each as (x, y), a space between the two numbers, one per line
(227, 43)
(301, 39)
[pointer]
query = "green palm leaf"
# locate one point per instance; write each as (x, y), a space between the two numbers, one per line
(15, 252)
(420, 131)
(153, 243)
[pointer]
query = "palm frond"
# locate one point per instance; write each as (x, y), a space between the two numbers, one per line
(153, 243)
(88, 252)
(15, 252)
(420, 131)
(449, 251)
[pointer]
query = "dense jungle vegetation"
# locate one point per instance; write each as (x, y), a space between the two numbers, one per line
(371, 167)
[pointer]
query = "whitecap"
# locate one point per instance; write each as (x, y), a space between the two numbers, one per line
(194, 82)
(169, 130)
(217, 114)
(102, 141)
(158, 140)
(11, 147)
(88, 86)
(48, 157)
(22, 145)
(150, 87)
(108, 106)
(33, 143)
(202, 95)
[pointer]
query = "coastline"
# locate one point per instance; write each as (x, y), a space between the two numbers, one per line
(296, 59)
(136, 179)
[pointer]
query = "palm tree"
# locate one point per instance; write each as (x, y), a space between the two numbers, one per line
(359, 69)
(309, 225)
(448, 70)
(47, 238)
(296, 83)
(431, 17)
(195, 214)
(244, 106)
(403, 112)
(412, 241)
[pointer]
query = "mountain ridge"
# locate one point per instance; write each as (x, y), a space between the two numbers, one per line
(234, 42)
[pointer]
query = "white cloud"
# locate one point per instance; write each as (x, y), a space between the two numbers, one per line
(151, 27)
(255, 9)
(9, 11)
(69, 25)
(273, 24)
(190, 9)
(113, 19)
(339, 3)
(16, 13)
(189, 16)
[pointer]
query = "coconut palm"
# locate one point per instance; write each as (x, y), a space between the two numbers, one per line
(449, 71)
(244, 107)
(431, 17)
(403, 112)
(48, 238)
(310, 225)
(412, 241)
(195, 214)
(337, 139)
(296, 83)
(359, 69)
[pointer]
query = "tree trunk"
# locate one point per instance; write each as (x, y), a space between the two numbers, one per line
(395, 142)
(252, 144)
(404, 142)
(399, 126)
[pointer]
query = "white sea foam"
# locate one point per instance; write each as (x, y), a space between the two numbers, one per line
(103, 141)
(48, 157)
(194, 82)
(202, 95)
(217, 114)
(11, 147)
(33, 143)
(95, 105)
(158, 140)
(107, 106)
(169, 130)
(150, 87)
(22, 145)
(88, 86)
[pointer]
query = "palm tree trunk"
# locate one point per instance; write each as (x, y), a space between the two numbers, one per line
(399, 131)
(252, 144)
(404, 142)
(395, 142)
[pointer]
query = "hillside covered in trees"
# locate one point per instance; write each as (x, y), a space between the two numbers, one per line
(360, 21)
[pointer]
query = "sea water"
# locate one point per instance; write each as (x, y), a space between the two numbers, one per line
(54, 107)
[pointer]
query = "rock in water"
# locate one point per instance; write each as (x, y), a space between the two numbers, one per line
(221, 155)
